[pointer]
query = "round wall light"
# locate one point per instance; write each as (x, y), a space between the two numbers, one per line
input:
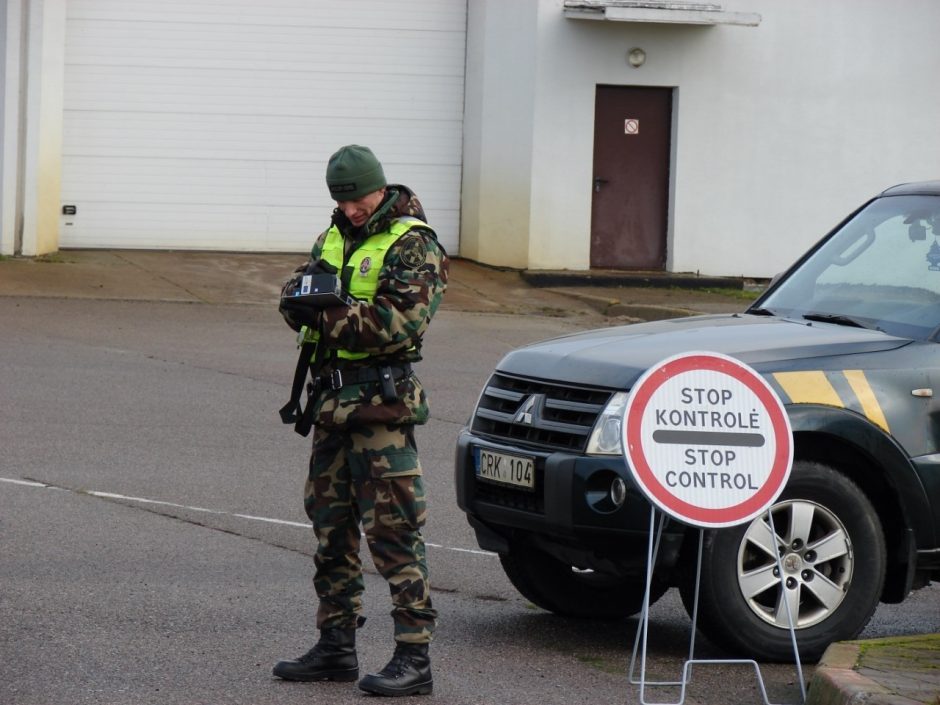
(636, 57)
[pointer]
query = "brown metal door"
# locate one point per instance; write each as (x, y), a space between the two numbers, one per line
(632, 126)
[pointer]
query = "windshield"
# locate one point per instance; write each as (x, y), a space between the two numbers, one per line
(881, 270)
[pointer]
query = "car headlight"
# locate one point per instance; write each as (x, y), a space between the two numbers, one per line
(606, 436)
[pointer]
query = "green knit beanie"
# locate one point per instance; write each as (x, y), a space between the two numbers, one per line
(353, 172)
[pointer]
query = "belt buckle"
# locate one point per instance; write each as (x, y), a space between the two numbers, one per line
(336, 380)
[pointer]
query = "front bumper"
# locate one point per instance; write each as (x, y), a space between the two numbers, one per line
(570, 505)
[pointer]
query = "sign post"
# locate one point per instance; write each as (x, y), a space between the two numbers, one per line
(708, 442)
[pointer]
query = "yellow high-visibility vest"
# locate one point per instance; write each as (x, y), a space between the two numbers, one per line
(365, 262)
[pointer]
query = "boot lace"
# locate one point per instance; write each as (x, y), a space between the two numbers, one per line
(323, 648)
(312, 655)
(400, 662)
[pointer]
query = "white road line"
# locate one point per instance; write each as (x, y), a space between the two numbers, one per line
(204, 510)
(27, 483)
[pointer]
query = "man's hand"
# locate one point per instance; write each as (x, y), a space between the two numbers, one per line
(319, 266)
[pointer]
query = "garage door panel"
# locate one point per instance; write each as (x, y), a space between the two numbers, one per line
(304, 94)
(140, 225)
(267, 48)
(399, 15)
(207, 124)
(236, 137)
(119, 180)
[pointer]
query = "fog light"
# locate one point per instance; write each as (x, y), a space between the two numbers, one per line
(605, 491)
(618, 492)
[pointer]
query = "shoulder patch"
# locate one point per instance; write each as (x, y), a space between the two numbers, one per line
(414, 252)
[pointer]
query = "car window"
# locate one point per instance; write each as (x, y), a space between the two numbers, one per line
(880, 270)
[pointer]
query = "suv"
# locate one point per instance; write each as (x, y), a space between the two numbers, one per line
(848, 338)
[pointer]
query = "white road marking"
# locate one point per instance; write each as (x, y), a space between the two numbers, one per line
(174, 505)
(27, 483)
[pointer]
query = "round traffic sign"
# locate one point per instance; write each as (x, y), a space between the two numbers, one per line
(707, 439)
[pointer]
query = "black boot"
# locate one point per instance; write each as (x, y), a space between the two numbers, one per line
(408, 673)
(332, 659)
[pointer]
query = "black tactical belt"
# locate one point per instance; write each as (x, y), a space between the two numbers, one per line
(302, 418)
(338, 379)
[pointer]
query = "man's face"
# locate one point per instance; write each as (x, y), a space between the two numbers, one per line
(360, 210)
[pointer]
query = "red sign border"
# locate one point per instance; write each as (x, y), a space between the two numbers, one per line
(655, 491)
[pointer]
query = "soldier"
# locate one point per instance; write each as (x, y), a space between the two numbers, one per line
(364, 403)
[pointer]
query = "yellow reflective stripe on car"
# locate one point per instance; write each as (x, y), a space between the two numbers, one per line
(866, 397)
(814, 387)
(808, 388)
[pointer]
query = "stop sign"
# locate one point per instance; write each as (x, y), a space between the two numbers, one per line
(707, 439)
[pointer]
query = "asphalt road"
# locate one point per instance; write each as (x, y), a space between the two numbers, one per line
(153, 546)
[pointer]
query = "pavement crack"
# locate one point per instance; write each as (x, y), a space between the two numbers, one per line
(168, 510)
(169, 281)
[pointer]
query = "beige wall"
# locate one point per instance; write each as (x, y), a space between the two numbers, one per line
(34, 46)
(11, 214)
(496, 198)
(43, 176)
(780, 129)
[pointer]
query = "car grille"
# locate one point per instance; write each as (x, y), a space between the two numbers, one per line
(538, 414)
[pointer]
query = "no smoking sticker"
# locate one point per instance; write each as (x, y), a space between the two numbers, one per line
(707, 439)
(631, 126)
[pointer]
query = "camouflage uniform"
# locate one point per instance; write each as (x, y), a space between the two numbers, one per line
(364, 467)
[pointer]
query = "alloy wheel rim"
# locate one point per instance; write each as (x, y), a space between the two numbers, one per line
(816, 556)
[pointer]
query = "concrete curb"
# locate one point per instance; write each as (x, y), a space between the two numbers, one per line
(837, 682)
(548, 278)
(609, 306)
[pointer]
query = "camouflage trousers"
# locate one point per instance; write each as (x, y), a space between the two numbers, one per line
(369, 475)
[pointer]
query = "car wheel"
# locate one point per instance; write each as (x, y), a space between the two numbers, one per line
(565, 590)
(832, 549)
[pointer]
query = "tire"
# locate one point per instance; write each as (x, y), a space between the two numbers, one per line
(831, 596)
(566, 591)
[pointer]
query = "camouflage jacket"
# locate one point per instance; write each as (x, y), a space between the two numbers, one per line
(411, 284)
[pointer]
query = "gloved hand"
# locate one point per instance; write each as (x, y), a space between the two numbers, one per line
(319, 266)
(296, 317)
(312, 266)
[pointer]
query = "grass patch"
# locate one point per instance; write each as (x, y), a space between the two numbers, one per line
(742, 294)
(53, 258)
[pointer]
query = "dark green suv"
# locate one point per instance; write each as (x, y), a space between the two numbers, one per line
(849, 338)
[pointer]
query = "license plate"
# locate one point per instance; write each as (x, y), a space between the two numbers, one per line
(505, 469)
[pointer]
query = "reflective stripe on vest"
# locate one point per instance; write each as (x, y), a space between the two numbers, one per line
(365, 262)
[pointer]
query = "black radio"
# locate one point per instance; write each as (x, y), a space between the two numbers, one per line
(314, 291)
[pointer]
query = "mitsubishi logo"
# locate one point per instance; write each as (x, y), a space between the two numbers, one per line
(524, 415)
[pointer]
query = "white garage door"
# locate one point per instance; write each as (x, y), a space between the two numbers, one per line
(206, 124)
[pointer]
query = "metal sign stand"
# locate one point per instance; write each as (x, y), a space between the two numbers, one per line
(642, 631)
